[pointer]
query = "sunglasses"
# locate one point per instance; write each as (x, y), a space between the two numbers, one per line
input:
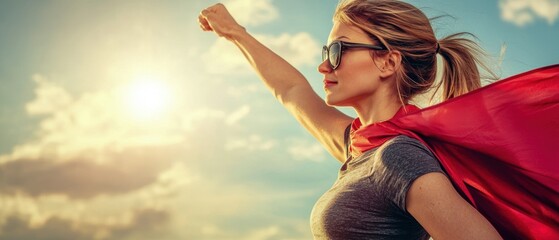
(333, 52)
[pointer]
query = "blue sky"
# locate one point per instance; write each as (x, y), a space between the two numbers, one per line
(122, 120)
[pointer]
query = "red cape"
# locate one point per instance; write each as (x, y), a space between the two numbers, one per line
(499, 146)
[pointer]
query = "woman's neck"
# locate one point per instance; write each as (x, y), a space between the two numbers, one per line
(377, 111)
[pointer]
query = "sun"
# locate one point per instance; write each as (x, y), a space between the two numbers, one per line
(147, 98)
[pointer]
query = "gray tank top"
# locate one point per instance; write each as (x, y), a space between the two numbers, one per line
(368, 200)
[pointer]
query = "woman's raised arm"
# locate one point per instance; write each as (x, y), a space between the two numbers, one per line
(287, 84)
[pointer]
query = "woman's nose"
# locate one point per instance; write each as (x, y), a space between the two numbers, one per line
(324, 67)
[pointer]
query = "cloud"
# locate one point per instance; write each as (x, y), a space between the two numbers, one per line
(272, 232)
(243, 212)
(124, 172)
(302, 149)
(191, 120)
(265, 233)
(146, 220)
(16, 227)
(502, 54)
(243, 90)
(252, 12)
(251, 143)
(522, 12)
(299, 49)
(236, 116)
(143, 220)
(50, 97)
(113, 207)
(225, 58)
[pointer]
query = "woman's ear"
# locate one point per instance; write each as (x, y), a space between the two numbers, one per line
(390, 63)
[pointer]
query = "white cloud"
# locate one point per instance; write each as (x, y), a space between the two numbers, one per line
(191, 120)
(215, 202)
(252, 12)
(50, 97)
(502, 53)
(237, 115)
(225, 58)
(522, 12)
(171, 181)
(302, 149)
(210, 230)
(299, 49)
(242, 90)
(264, 233)
(251, 143)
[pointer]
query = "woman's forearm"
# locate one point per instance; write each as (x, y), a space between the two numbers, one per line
(278, 75)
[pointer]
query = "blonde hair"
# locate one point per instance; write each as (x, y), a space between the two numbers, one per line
(401, 26)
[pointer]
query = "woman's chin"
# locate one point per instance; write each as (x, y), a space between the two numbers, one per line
(332, 102)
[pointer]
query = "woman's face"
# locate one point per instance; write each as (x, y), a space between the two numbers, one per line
(357, 77)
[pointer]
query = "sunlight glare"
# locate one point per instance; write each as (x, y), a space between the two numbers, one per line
(147, 98)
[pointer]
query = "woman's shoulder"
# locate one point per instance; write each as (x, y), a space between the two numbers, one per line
(405, 144)
(399, 162)
(404, 152)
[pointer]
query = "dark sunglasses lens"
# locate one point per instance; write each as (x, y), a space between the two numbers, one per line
(324, 53)
(334, 54)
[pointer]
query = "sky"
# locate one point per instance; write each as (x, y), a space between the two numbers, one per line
(123, 120)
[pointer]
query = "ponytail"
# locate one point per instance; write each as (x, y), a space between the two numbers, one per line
(461, 58)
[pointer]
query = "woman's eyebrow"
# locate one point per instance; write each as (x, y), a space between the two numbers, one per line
(340, 37)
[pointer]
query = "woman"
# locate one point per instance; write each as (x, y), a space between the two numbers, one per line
(379, 55)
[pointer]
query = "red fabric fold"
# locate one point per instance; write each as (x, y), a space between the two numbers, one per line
(498, 145)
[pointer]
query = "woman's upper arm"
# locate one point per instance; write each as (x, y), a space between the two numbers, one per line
(325, 123)
(435, 204)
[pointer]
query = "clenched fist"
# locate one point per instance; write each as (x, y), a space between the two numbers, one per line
(216, 18)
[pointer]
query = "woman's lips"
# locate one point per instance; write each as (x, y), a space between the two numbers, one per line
(329, 83)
